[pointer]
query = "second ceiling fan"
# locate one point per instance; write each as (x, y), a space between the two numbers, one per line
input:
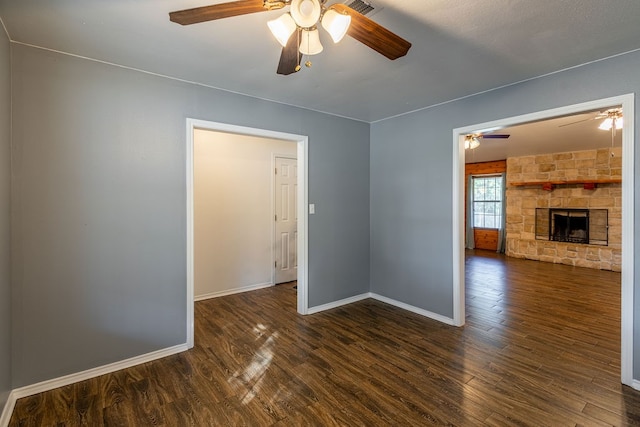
(297, 30)
(472, 141)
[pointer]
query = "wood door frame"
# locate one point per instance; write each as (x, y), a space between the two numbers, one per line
(302, 142)
(628, 180)
(275, 156)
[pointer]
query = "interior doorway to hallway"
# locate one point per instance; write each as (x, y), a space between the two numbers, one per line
(194, 126)
(244, 213)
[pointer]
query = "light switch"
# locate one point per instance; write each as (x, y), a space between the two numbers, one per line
(312, 208)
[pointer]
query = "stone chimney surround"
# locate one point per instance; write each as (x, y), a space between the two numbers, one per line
(599, 170)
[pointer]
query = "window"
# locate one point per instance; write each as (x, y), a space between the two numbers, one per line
(487, 201)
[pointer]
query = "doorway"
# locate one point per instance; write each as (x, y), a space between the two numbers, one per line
(301, 202)
(628, 179)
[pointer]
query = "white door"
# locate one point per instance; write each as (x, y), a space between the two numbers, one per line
(286, 218)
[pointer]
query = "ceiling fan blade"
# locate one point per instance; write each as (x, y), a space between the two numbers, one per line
(219, 11)
(496, 136)
(373, 35)
(578, 121)
(290, 57)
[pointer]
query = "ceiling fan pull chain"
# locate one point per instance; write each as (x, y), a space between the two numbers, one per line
(298, 53)
(308, 61)
(613, 130)
(613, 134)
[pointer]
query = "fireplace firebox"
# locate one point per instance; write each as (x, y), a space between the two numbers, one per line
(583, 226)
(569, 225)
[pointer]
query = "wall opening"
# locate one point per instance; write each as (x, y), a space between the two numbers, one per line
(302, 203)
(628, 179)
(234, 199)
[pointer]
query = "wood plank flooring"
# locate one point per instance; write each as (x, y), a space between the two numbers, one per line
(541, 347)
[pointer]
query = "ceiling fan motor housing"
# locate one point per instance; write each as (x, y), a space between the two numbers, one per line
(305, 12)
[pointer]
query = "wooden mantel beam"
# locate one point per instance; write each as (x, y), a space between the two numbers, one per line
(590, 184)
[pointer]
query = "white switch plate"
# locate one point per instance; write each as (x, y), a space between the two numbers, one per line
(312, 208)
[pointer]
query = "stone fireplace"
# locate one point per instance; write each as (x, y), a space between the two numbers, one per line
(566, 208)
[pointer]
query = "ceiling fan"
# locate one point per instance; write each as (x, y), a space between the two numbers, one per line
(472, 140)
(613, 119)
(297, 30)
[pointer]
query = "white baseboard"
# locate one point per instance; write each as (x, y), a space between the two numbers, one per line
(635, 384)
(81, 376)
(5, 417)
(127, 363)
(420, 311)
(336, 304)
(390, 301)
(232, 291)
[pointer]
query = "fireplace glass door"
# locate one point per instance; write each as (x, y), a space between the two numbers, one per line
(569, 225)
(587, 226)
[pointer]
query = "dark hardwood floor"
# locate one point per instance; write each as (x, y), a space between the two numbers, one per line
(541, 347)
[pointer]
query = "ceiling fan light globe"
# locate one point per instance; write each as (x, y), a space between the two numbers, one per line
(619, 123)
(282, 28)
(336, 24)
(306, 7)
(471, 143)
(310, 42)
(305, 13)
(606, 124)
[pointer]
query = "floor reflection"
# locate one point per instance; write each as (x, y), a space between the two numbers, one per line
(252, 376)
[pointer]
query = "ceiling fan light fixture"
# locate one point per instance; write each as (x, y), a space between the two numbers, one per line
(310, 42)
(606, 124)
(471, 142)
(611, 122)
(305, 13)
(613, 119)
(282, 28)
(336, 24)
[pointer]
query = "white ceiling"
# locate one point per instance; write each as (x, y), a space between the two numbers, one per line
(562, 134)
(459, 47)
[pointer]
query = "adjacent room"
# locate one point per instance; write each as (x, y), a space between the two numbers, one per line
(463, 250)
(544, 196)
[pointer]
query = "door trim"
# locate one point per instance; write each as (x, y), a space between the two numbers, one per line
(628, 180)
(303, 182)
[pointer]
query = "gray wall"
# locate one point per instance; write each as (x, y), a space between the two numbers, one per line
(411, 183)
(5, 182)
(99, 207)
(99, 201)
